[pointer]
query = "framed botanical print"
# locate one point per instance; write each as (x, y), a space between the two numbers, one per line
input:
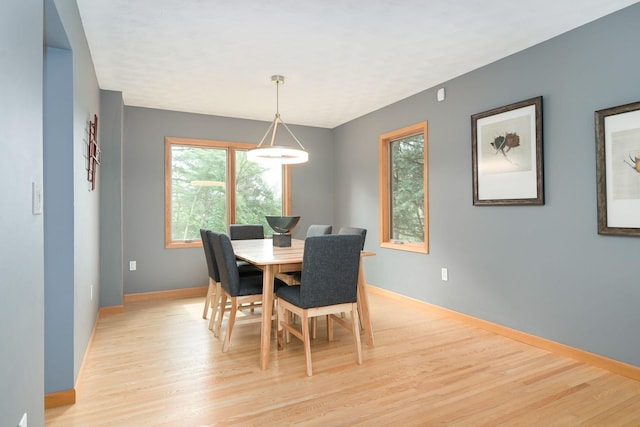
(507, 155)
(618, 169)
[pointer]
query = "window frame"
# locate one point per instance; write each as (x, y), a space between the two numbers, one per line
(384, 168)
(231, 148)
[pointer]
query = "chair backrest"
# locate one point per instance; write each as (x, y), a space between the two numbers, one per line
(330, 270)
(226, 261)
(246, 231)
(207, 244)
(362, 232)
(318, 230)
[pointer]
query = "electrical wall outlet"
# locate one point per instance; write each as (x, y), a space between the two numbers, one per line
(91, 292)
(132, 266)
(445, 274)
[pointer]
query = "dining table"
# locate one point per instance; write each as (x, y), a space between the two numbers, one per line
(273, 260)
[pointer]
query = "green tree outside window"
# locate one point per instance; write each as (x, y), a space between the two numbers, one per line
(199, 189)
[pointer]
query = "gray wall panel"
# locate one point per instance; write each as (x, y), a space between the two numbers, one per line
(143, 197)
(75, 303)
(111, 241)
(22, 248)
(541, 269)
(58, 220)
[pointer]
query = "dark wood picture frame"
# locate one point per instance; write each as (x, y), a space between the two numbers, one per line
(507, 155)
(618, 169)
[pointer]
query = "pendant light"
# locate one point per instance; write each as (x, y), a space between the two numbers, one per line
(277, 154)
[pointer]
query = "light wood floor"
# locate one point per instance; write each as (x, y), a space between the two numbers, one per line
(157, 364)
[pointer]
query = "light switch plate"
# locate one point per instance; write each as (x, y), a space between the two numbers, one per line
(36, 199)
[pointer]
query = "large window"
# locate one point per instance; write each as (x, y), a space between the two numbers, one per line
(210, 184)
(404, 219)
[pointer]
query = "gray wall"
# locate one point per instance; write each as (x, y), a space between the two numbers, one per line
(56, 98)
(111, 234)
(70, 209)
(143, 195)
(22, 247)
(543, 270)
(58, 219)
(86, 101)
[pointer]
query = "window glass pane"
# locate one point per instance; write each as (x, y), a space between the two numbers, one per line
(209, 184)
(258, 191)
(198, 191)
(407, 189)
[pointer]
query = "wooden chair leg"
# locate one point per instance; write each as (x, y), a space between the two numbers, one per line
(230, 323)
(360, 314)
(355, 327)
(307, 342)
(329, 327)
(290, 319)
(207, 298)
(212, 321)
(222, 308)
(328, 321)
(216, 315)
(282, 317)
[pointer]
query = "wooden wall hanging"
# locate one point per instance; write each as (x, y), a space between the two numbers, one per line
(93, 152)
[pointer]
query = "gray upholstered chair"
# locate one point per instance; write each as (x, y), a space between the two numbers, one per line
(293, 277)
(214, 293)
(246, 231)
(362, 232)
(319, 230)
(214, 276)
(238, 288)
(329, 286)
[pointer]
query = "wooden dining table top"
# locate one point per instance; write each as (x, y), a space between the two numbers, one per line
(262, 251)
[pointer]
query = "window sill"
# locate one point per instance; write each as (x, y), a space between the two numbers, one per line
(408, 247)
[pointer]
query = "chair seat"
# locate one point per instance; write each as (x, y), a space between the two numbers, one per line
(245, 268)
(251, 285)
(291, 294)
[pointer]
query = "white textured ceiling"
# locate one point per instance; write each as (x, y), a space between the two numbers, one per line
(341, 59)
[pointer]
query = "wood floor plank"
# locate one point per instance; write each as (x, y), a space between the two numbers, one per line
(157, 364)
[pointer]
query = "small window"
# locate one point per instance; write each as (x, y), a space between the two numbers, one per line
(404, 219)
(211, 184)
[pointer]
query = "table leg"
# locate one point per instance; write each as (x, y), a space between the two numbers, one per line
(363, 303)
(267, 306)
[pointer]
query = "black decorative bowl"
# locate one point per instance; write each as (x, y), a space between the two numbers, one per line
(282, 224)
